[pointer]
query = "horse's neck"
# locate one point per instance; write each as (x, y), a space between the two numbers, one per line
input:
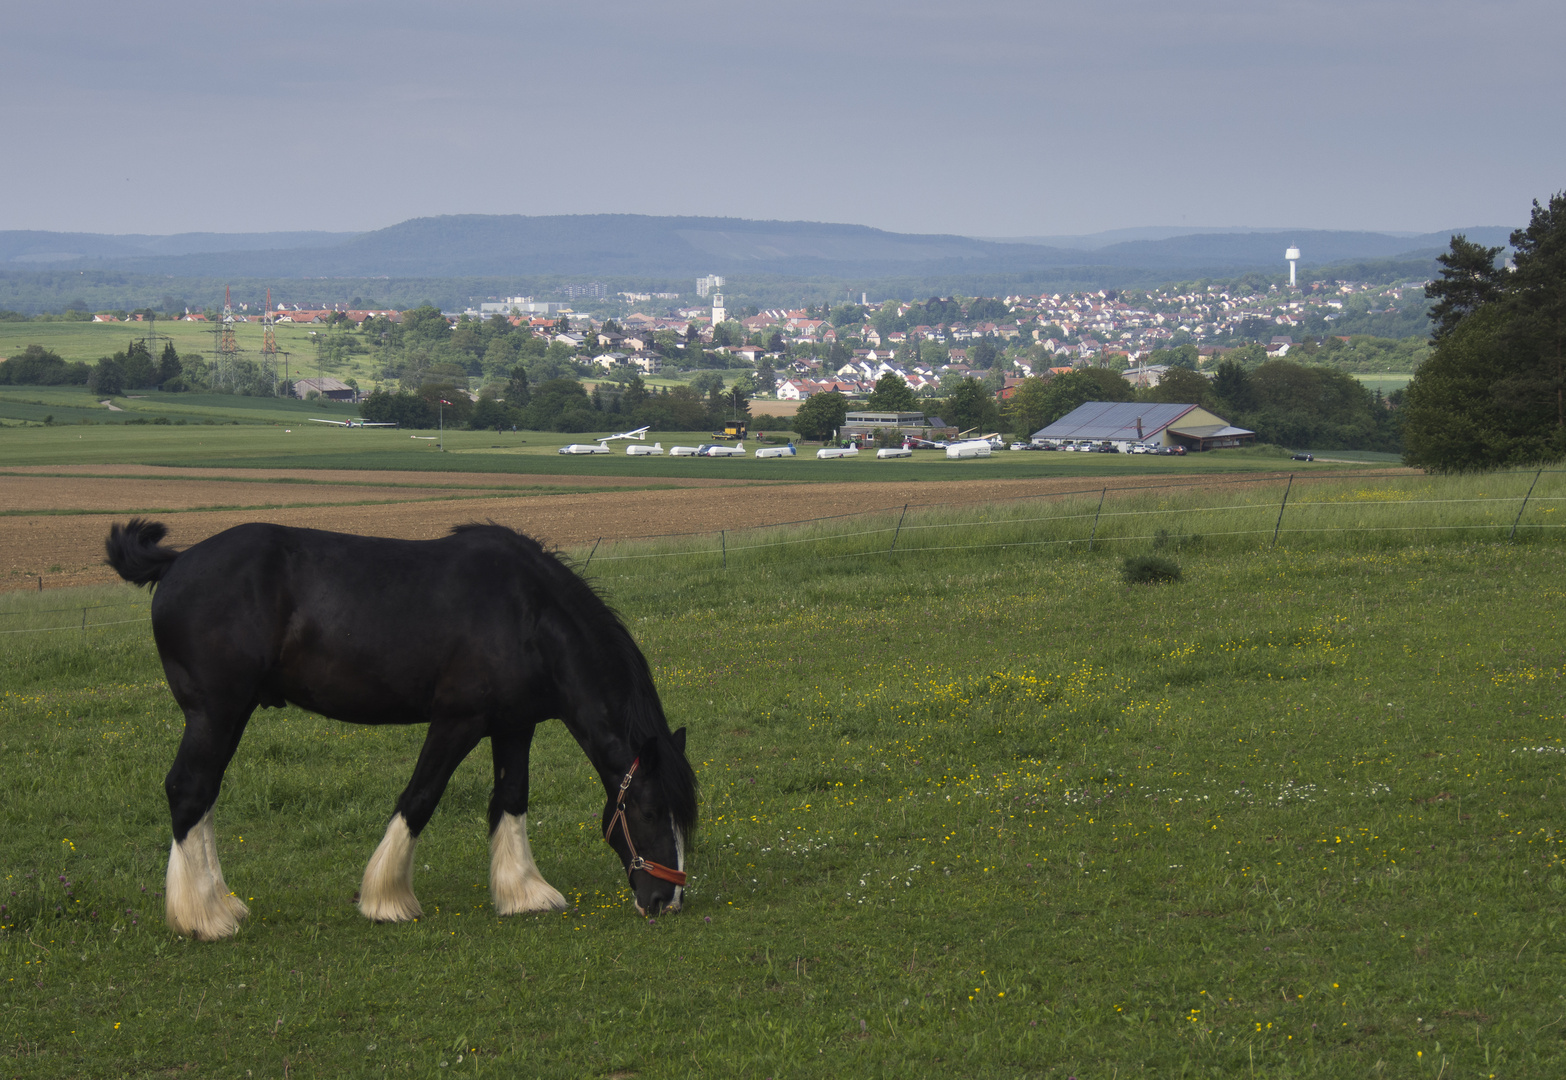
(598, 722)
(600, 694)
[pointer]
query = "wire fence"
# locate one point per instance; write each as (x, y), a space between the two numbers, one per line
(1371, 509)
(1248, 513)
(85, 622)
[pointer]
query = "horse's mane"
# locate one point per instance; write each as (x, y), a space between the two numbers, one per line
(602, 629)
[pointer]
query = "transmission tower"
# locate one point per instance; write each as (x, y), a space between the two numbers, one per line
(269, 346)
(153, 340)
(223, 369)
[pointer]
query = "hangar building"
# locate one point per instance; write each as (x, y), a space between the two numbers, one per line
(1190, 426)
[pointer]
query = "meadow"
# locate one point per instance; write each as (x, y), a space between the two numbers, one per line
(155, 428)
(970, 809)
(89, 341)
(1386, 383)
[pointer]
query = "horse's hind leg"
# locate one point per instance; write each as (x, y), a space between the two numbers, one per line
(387, 893)
(515, 885)
(197, 901)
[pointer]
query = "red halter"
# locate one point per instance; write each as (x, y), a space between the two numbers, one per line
(657, 870)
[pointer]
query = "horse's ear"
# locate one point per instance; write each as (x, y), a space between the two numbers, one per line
(678, 738)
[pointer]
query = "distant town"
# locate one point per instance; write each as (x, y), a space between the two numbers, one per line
(846, 347)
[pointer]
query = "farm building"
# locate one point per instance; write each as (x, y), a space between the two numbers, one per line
(327, 387)
(1190, 426)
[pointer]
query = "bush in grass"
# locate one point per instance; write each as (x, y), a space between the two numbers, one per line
(1149, 569)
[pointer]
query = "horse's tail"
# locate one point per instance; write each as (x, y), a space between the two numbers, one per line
(134, 552)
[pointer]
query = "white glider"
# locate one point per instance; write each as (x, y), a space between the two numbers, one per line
(777, 451)
(602, 446)
(715, 450)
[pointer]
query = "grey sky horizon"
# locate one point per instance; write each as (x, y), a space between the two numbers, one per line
(995, 119)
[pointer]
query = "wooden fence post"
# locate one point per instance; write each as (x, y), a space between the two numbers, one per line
(899, 531)
(1513, 534)
(1285, 503)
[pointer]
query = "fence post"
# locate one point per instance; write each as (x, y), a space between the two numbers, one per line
(84, 618)
(590, 554)
(1513, 534)
(1285, 503)
(1094, 534)
(723, 538)
(899, 531)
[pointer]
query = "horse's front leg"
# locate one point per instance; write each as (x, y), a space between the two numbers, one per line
(515, 885)
(197, 901)
(387, 893)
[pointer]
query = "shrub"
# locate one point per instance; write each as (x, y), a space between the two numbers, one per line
(1149, 570)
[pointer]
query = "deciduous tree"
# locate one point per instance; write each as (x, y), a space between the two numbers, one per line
(820, 415)
(892, 394)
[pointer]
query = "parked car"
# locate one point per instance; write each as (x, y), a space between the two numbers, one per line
(1303, 457)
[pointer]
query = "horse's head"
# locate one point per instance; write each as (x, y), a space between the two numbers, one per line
(646, 820)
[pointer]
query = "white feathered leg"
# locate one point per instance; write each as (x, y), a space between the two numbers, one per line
(679, 864)
(387, 894)
(197, 901)
(515, 885)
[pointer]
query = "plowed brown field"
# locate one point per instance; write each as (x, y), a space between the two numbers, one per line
(52, 528)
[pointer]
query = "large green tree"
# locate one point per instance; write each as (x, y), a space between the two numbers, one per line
(820, 415)
(892, 394)
(1180, 386)
(1493, 391)
(970, 406)
(1469, 277)
(1066, 392)
(1027, 410)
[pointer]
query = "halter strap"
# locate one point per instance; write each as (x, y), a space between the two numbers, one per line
(657, 870)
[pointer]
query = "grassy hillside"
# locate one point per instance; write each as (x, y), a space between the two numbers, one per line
(988, 813)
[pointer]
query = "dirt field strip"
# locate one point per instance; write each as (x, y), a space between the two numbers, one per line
(453, 481)
(67, 549)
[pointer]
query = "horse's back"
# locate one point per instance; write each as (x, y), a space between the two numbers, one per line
(362, 628)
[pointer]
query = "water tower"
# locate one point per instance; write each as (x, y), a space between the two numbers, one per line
(1293, 255)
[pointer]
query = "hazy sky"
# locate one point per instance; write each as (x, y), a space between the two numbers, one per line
(988, 118)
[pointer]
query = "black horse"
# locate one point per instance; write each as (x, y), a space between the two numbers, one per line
(478, 633)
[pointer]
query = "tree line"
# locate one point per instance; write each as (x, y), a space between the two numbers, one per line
(1289, 404)
(1493, 392)
(132, 368)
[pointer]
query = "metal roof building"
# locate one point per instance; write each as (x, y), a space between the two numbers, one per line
(1155, 424)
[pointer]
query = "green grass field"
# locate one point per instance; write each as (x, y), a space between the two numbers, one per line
(89, 342)
(969, 811)
(1386, 383)
(275, 433)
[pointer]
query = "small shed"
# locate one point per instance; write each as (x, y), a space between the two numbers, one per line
(327, 387)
